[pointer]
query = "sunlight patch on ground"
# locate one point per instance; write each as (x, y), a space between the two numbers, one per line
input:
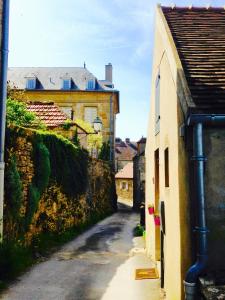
(124, 286)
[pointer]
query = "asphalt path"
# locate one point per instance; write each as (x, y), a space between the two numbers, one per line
(83, 268)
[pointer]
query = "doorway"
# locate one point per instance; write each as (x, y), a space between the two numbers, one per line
(157, 228)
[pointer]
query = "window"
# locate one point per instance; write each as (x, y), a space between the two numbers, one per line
(91, 85)
(31, 83)
(66, 84)
(166, 162)
(68, 111)
(90, 114)
(124, 186)
(157, 104)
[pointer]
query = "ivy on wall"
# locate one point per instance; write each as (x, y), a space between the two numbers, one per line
(55, 159)
(13, 188)
(41, 178)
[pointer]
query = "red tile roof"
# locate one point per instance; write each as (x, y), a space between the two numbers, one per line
(125, 151)
(50, 114)
(126, 172)
(199, 35)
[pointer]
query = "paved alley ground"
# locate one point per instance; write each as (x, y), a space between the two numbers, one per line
(98, 265)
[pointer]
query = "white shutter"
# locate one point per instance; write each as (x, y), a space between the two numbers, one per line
(90, 114)
(67, 111)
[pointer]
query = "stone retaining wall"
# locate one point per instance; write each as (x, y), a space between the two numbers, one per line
(56, 211)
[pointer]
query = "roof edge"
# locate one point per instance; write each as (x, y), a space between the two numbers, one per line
(183, 92)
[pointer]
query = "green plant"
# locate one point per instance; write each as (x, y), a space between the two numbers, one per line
(94, 141)
(68, 164)
(41, 177)
(41, 165)
(67, 124)
(104, 153)
(13, 188)
(138, 230)
(75, 139)
(33, 201)
(18, 115)
(14, 258)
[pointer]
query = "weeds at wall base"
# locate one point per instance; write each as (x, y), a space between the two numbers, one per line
(15, 259)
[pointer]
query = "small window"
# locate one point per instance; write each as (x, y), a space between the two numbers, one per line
(31, 83)
(91, 85)
(66, 84)
(157, 104)
(68, 111)
(124, 186)
(166, 161)
(90, 114)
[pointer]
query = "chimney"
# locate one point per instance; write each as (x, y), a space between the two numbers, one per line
(108, 72)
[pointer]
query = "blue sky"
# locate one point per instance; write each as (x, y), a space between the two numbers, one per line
(69, 32)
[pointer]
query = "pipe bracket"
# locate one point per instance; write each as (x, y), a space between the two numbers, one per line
(201, 229)
(199, 158)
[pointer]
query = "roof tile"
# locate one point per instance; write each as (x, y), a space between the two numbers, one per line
(199, 35)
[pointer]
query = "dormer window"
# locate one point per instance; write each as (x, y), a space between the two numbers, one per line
(66, 84)
(91, 84)
(31, 83)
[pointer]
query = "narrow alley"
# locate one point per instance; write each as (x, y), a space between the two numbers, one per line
(99, 264)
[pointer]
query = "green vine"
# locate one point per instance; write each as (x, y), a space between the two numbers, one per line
(13, 188)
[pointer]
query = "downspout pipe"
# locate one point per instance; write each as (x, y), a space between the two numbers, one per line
(198, 121)
(3, 95)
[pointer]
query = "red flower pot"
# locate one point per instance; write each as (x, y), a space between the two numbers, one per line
(157, 220)
(151, 210)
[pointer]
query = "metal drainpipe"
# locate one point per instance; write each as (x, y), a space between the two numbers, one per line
(190, 283)
(3, 95)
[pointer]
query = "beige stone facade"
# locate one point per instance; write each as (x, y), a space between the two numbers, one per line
(124, 189)
(77, 101)
(172, 192)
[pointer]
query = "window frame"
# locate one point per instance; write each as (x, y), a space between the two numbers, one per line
(66, 83)
(166, 167)
(91, 84)
(157, 104)
(95, 115)
(31, 83)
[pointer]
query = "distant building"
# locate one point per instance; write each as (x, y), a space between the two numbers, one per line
(124, 152)
(75, 90)
(124, 183)
(139, 174)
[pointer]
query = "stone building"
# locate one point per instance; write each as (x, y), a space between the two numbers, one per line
(124, 183)
(124, 152)
(51, 115)
(186, 126)
(139, 174)
(75, 90)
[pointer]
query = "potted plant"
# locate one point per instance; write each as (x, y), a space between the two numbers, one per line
(157, 220)
(151, 209)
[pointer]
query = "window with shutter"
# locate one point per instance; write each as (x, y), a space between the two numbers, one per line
(90, 114)
(68, 111)
(66, 84)
(31, 83)
(91, 84)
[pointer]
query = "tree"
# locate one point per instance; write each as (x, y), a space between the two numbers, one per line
(104, 153)
(75, 139)
(94, 140)
(17, 114)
